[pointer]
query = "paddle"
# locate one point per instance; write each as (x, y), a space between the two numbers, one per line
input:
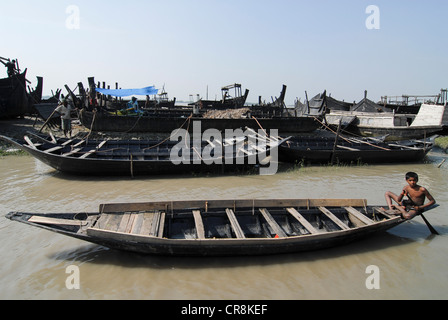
(430, 227)
(433, 231)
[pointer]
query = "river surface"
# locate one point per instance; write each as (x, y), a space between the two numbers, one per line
(35, 264)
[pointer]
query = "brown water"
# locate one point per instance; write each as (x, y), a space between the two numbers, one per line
(411, 262)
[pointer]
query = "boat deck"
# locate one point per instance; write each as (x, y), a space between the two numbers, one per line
(228, 223)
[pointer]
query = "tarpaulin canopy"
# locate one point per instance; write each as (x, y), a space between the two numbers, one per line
(129, 92)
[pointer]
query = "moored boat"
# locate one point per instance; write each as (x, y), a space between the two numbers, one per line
(428, 121)
(220, 227)
(13, 96)
(162, 123)
(148, 157)
(315, 149)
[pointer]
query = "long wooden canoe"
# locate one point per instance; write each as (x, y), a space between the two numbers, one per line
(149, 157)
(315, 149)
(220, 227)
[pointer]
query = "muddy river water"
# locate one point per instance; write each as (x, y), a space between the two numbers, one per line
(410, 263)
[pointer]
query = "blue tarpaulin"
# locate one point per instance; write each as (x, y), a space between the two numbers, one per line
(148, 91)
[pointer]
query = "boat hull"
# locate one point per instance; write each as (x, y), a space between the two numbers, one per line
(396, 133)
(220, 227)
(142, 158)
(315, 150)
(428, 121)
(13, 96)
(234, 247)
(112, 123)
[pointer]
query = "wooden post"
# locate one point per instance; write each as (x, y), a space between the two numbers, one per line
(82, 93)
(307, 102)
(92, 91)
(336, 141)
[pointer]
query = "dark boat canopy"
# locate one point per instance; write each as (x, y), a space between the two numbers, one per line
(366, 105)
(314, 107)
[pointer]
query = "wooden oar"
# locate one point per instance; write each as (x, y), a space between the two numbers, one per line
(430, 227)
(48, 119)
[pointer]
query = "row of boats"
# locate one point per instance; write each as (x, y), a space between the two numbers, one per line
(219, 227)
(215, 227)
(242, 153)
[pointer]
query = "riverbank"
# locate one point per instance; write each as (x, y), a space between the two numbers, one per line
(442, 143)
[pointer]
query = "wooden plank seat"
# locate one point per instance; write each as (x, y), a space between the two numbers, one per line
(302, 221)
(235, 225)
(199, 224)
(272, 223)
(89, 153)
(54, 149)
(359, 216)
(333, 218)
(74, 151)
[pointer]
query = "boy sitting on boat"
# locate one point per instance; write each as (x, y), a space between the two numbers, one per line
(416, 194)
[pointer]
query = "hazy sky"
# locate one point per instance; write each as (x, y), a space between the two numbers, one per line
(188, 45)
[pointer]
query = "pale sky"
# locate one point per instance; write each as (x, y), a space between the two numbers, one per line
(189, 45)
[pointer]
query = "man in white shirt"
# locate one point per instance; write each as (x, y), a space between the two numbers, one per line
(66, 121)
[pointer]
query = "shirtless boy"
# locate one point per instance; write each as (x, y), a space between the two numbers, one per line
(416, 194)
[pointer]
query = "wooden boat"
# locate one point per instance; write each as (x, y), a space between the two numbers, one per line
(105, 122)
(238, 100)
(13, 96)
(15, 100)
(315, 149)
(146, 157)
(45, 111)
(220, 227)
(276, 108)
(428, 121)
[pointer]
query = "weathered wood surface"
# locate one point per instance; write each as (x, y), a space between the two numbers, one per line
(221, 227)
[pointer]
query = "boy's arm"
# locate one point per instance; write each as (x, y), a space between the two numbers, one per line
(431, 199)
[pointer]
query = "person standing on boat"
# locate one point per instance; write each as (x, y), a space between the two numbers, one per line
(66, 120)
(11, 66)
(416, 194)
